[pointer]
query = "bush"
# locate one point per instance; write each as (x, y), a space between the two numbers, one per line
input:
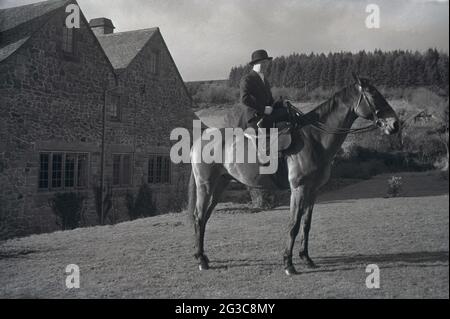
(142, 205)
(68, 209)
(357, 169)
(292, 94)
(394, 186)
(423, 98)
(361, 162)
(216, 93)
(262, 198)
(178, 199)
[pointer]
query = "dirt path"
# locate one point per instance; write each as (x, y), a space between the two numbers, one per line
(407, 237)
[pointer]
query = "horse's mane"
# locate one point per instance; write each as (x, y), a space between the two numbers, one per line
(323, 110)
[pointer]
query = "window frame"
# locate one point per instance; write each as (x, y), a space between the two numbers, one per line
(118, 98)
(64, 42)
(155, 62)
(164, 175)
(63, 187)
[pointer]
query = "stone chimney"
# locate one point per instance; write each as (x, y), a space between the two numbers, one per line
(101, 26)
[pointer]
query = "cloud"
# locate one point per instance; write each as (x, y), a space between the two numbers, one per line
(208, 37)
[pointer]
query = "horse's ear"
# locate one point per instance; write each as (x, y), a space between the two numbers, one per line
(356, 78)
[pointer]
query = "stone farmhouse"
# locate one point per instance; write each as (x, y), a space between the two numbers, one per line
(79, 106)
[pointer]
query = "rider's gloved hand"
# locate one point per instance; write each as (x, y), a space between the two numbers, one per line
(268, 110)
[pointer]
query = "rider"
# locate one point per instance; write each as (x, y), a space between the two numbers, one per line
(260, 109)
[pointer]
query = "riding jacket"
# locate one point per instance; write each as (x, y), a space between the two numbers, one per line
(255, 95)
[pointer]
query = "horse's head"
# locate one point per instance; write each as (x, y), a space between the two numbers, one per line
(373, 106)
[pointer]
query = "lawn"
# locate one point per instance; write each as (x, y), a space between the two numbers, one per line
(407, 237)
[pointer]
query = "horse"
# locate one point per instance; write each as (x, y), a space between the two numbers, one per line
(308, 165)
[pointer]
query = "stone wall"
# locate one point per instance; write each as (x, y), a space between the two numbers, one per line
(156, 104)
(52, 102)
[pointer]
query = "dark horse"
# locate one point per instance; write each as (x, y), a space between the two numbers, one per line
(308, 162)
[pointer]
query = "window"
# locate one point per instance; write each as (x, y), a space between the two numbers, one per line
(113, 108)
(154, 62)
(159, 171)
(58, 170)
(44, 160)
(122, 169)
(57, 160)
(68, 40)
(69, 171)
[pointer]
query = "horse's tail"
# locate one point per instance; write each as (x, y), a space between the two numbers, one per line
(192, 197)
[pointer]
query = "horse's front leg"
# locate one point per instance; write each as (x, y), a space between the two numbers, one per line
(297, 209)
(305, 226)
(200, 220)
(207, 199)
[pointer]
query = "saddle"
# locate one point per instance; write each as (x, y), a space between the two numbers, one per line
(266, 142)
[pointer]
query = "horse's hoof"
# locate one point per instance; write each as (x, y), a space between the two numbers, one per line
(290, 271)
(204, 263)
(203, 267)
(308, 263)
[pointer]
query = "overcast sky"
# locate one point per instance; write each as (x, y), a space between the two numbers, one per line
(208, 37)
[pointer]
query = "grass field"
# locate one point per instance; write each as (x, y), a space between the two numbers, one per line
(407, 237)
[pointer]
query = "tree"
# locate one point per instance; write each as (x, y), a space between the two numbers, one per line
(391, 69)
(442, 130)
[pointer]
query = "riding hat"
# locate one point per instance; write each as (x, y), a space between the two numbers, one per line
(258, 56)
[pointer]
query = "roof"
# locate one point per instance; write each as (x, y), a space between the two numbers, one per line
(122, 47)
(8, 49)
(12, 17)
(18, 23)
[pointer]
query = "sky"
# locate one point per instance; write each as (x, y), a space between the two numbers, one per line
(208, 37)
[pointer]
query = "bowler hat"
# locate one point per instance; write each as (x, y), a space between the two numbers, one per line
(258, 56)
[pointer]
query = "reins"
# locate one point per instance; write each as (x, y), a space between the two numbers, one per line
(294, 112)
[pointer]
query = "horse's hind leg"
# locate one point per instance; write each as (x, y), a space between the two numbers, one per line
(209, 198)
(305, 227)
(203, 195)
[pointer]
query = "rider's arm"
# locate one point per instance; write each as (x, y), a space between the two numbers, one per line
(247, 98)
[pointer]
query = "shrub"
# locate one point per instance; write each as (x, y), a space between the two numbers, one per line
(292, 94)
(179, 197)
(68, 209)
(142, 205)
(262, 198)
(216, 93)
(394, 186)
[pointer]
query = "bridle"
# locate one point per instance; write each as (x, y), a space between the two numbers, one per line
(372, 108)
(296, 115)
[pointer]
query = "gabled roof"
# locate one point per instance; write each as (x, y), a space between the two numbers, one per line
(122, 47)
(12, 17)
(9, 48)
(18, 23)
